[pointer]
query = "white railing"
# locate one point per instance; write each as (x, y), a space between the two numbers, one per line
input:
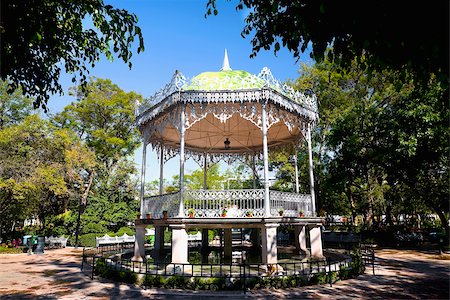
(237, 203)
(156, 205)
(290, 203)
(212, 203)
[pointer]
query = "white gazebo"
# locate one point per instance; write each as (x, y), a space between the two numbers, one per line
(227, 115)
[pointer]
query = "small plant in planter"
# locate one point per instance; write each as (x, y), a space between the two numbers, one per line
(149, 215)
(138, 216)
(301, 214)
(165, 214)
(191, 212)
(224, 213)
(281, 212)
(249, 213)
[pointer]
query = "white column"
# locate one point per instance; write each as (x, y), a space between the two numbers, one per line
(228, 245)
(161, 170)
(266, 161)
(139, 249)
(182, 129)
(179, 244)
(144, 156)
(300, 239)
(311, 171)
(205, 171)
(269, 244)
(254, 171)
(297, 186)
(315, 237)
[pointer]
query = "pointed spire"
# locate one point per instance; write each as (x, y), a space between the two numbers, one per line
(226, 64)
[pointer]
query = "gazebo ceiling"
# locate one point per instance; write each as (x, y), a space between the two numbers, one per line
(226, 106)
(209, 135)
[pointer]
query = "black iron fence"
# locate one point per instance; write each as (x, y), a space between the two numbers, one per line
(94, 259)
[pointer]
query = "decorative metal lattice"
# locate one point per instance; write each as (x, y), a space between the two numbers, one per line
(157, 204)
(290, 203)
(237, 203)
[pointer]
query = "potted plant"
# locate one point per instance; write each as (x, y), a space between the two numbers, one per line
(249, 213)
(149, 215)
(300, 213)
(281, 211)
(165, 214)
(224, 213)
(191, 212)
(138, 216)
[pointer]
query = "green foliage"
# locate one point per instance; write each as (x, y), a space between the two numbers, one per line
(372, 31)
(14, 107)
(86, 240)
(214, 179)
(10, 250)
(39, 175)
(56, 35)
(104, 271)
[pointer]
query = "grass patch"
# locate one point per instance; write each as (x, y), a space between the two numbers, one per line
(10, 250)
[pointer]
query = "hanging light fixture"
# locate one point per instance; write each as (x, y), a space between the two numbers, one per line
(227, 144)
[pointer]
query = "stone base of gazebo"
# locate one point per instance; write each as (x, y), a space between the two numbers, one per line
(267, 227)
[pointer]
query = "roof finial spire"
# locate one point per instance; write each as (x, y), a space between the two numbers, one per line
(226, 64)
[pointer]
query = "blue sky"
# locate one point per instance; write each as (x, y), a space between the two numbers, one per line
(177, 36)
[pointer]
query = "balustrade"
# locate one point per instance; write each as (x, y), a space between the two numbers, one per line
(236, 203)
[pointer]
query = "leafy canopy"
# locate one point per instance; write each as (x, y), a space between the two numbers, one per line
(391, 34)
(42, 37)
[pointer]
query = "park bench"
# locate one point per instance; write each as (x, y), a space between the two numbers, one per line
(56, 242)
(114, 240)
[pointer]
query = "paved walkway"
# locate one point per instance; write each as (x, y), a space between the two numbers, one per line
(56, 274)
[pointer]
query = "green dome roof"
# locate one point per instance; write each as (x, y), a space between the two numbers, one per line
(224, 80)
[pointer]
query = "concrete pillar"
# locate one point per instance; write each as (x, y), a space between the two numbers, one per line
(159, 240)
(300, 239)
(315, 237)
(269, 244)
(205, 241)
(179, 244)
(255, 237)
(228, 245)
(139, 248)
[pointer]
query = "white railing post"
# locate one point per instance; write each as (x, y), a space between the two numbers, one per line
(182, 157)
(266, 161)
(144, 156)
(161, 170)
(311, 171)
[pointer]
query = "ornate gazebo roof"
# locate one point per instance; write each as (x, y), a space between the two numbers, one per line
(226, 106)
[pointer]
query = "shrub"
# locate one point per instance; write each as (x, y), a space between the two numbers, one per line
(102, 269)
(126, 230)
(10, 250)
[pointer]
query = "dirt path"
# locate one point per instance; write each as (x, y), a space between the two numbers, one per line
(56, 275)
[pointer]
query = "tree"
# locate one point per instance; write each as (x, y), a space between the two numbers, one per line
(38, 37)
(42, 169)
(103, 117)
(14, 107)
(390, 35)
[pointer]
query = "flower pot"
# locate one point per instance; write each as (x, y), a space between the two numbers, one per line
(280, 213)
(165, 215)
(224, 215)
(191, 215)
(301, 215)
(249, 215)
(148, 216)
(138, 216)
